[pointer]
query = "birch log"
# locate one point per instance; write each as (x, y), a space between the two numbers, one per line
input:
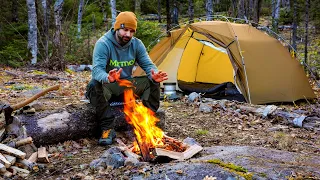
(70, 123)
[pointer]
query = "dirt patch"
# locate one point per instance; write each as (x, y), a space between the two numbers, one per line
(221, 127)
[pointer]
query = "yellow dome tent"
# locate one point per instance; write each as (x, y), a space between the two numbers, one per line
(216, 52)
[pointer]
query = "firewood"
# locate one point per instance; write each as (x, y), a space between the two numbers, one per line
(2, 133)
(21, 172)
(124, 148)
(4, 161)
(43, 155)
(11, 159)
(13, 171)
(2, 168)
(6, 173)
(20, 142)
(33, 157)
(12, 151)
(24, 141)
(26, 164)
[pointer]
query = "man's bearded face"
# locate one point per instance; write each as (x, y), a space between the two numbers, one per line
(125, 35)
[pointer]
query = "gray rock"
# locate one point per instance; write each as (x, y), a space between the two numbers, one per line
(193, 97)
(115, 160)
(112, 150)
(206, 108)
(190, 141)
(131, 162)
(94, 163)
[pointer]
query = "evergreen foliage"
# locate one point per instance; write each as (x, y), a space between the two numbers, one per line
(14, 27)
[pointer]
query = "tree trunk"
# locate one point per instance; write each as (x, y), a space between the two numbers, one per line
(14, 11)
(306, 33)
(159, 11)
(191, 12)
(286, 4)
(58, 61)
(209, 10)
(137, 6)
(46, 11)
(251, 9)
(104, 13)
(32, 30)
(168, 15)
(175, 14)
(80, 12)
(276, 15)
(234, 8)
(70, 123)
(256, 11)
(241, 9)
(113, 11)
(294, 25)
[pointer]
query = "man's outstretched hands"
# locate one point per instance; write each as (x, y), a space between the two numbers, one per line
(159, 76)
(114, 75)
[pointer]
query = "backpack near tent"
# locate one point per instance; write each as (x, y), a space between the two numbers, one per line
(206, 54)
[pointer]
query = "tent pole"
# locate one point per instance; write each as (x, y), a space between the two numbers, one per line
(244, 68)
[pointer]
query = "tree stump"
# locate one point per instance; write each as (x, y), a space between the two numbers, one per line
(70, 123)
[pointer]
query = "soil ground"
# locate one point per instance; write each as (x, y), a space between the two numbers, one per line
(223, 126)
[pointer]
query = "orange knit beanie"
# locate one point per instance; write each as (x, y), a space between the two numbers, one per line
(126, 19)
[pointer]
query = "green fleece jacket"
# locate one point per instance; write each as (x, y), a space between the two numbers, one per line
(109, 54)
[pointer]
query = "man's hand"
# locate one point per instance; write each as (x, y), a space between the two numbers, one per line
(114, 75)
(159, 76)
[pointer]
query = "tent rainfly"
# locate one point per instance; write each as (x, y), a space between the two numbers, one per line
(214, 52)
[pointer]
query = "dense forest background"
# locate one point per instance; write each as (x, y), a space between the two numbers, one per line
(55, 33)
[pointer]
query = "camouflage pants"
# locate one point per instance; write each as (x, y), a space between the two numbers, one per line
(101, 95)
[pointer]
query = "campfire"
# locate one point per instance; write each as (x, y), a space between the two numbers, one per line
(150, 139)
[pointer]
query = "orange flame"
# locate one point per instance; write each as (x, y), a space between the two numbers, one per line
(142, 119)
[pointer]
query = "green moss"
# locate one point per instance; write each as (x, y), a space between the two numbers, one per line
(232, 168)
(202, 132)
(21, 87)
(36, 72)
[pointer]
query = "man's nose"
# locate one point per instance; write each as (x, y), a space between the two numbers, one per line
(127, 33)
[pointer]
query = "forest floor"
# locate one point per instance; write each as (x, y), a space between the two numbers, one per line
(222, 127)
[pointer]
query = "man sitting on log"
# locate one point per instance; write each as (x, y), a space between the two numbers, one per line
(114, 57)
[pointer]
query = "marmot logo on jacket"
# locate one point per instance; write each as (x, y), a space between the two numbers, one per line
(121, 63)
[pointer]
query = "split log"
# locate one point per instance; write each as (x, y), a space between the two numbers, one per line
(6, 173)
(12, 151)
(71, 123)
(26, 164)
(11, 159)
(21, 172)
(4, 161)
(2, 168)
(124, 148)
(2, 133)
(20, 142)
(43, 155)
(33, 157)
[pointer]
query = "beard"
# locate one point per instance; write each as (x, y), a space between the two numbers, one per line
(123, 39)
